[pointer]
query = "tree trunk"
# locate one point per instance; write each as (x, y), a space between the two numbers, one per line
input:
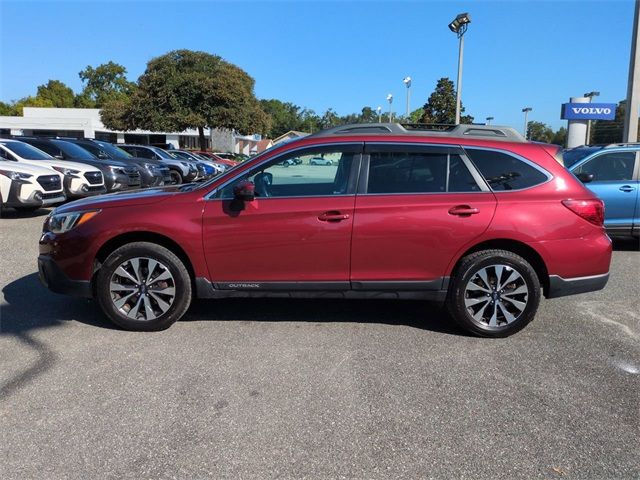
(203, 140)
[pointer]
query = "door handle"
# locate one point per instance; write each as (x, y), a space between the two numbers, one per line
(627, 188)
(333, 216)
(463, 210)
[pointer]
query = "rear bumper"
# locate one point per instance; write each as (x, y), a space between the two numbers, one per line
(561, 287)
(52, 277)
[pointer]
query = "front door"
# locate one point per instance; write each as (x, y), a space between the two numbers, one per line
(296, 231)
(416, 207)
(613, 182)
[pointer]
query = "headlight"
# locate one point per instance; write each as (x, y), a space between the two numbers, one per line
(63, 222)
(15, 175)
(116, 169)
(66, 171)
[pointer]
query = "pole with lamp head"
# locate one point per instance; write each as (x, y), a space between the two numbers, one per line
(407, 82)
(390, 100)
(526, 111)
(459, 26)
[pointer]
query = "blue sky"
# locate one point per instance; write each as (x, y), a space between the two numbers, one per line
(339, 54)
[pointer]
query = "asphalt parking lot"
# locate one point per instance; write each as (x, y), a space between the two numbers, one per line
(314, 389)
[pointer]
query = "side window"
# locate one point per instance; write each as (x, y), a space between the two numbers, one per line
(505, 172)
(307, 173)
(420, 171)
(608, 167)
(5, 155)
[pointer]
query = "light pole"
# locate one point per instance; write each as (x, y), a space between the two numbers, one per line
(390, 100)
(526, 111)
(489, 120)
(379, 110)
(459, 27)
(590, 96)
(633, 86)
(407, 82)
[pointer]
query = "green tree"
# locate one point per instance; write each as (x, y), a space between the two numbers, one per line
(56, 93)
(441, 105)
(560, 137)
(188, 89)
(539, 132)
(102, 84)
(8, 109)
(609, 131)
(284, 116)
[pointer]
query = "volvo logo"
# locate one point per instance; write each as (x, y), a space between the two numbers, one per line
(591, 110)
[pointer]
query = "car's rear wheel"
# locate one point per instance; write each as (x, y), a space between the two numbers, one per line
(176, 177)
(143, 286)
(494, 293)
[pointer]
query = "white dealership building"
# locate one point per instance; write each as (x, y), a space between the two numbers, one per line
(85, 122)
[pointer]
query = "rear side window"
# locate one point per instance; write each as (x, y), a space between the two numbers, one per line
(505, 172)
(418, 172)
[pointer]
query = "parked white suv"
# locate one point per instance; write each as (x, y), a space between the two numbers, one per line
(26, 187)
(80, 179)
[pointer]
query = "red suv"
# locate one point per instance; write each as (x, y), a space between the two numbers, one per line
(473, 216)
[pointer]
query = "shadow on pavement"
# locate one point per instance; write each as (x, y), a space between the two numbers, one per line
(626, 244)
(9, 213)
(30, 306)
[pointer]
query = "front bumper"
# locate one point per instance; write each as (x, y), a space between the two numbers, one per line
(37, 198)
(561, 287)
(118, 182)
(83, 190)
(52, 277)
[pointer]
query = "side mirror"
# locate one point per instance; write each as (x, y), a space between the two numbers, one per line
(244, 190)
(585, 177)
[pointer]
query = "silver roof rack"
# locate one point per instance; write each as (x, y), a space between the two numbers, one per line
(492, 132)
(623, 144)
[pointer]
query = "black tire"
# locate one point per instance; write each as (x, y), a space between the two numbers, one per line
(176, 177)
(467, 270)
(181, 280)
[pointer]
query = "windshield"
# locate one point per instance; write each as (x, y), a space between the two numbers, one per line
(113, 151)
(574, 155)
(73, 150)
(162, 153)
(26, 151)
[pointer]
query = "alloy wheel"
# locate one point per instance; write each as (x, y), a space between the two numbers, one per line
(496, 295)
(142, 288)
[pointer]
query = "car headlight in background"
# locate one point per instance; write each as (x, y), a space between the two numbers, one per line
(66, 171)
(152, 167)
(116, 169)
(63, 222)
(15, 175)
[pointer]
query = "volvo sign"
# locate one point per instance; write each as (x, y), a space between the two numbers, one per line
(588, 111)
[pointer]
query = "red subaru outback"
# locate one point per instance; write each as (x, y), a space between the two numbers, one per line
(474, 216)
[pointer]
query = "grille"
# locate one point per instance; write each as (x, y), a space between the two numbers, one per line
(94, 178)
(50, 182)
(48, 196)
(134, 178)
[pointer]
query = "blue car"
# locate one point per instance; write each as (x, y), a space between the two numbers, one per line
(612, 174)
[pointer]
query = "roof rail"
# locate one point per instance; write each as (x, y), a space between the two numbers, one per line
(463, 130)
(623, 144)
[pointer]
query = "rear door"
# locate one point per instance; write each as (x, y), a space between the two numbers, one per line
(417, 206)
(614, 182)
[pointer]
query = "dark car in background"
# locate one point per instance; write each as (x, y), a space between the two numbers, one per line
(152, 172)
(182, 171)
(118, 176)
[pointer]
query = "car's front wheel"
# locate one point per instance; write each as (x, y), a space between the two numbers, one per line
(176, 178)
(493, 293)
(143, 286)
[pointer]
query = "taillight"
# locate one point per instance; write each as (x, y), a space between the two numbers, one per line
(591, 210)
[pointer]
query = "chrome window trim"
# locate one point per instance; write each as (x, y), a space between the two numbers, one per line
(208, 196)
(518, 157)
(480, 181)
